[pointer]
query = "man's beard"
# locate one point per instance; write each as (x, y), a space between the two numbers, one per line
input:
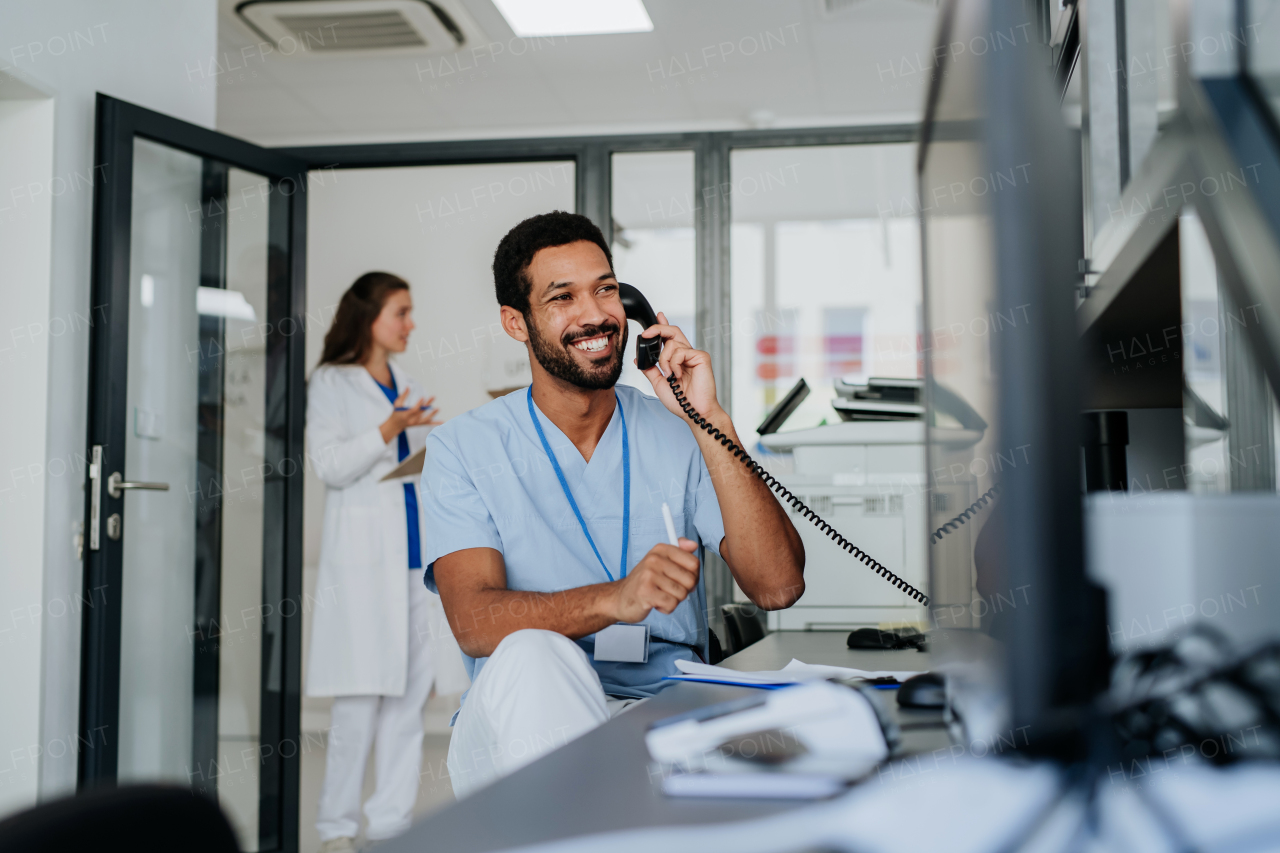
(556, 359)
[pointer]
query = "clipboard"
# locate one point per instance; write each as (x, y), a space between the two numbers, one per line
(410, 467)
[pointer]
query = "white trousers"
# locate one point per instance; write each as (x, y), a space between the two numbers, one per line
(392, 725)
(537, 692)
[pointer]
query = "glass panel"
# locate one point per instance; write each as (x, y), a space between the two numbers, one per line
(1206, 437)
(825, 275)
(242, 310)
(825, 270)
(653, 239)
(160, 527)
(437, 227)
(1229, 408)
(963, 445)
(190, 667)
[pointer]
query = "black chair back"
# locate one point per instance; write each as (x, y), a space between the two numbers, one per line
(744, 623)
(138, 818)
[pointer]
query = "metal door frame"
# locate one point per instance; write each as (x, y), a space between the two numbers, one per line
(118, 124)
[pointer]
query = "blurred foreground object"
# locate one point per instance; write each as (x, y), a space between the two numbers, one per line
(141, 818)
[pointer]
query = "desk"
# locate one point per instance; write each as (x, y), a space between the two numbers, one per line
(600, 782)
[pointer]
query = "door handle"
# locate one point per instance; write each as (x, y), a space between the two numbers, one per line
(95, 495)
(117, 484)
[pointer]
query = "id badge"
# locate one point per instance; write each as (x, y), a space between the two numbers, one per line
(623, 643)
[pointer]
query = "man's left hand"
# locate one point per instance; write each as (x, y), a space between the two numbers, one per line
(691, 368)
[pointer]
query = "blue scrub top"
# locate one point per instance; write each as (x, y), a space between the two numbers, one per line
(487, 483)
(410, 497)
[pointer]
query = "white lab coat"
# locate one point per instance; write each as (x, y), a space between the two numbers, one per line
(360, 615)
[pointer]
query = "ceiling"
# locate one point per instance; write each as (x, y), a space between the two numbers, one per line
(827, 62)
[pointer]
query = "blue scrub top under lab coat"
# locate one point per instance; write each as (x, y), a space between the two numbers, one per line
(410, 499)
(487, 483)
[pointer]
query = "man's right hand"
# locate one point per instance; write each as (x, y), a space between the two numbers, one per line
(661, 580)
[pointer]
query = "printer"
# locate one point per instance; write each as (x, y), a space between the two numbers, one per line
(864, 475)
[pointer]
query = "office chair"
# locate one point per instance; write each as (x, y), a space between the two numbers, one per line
(744, 624)
(714, 649)
(140, 818)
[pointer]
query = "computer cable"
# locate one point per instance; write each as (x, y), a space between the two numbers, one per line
(1197, 691)
(1161, 700)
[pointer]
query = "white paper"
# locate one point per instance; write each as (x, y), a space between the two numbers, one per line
(771, 786)
(795, 672)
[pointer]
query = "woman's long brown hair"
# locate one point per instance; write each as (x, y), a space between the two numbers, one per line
(351, 335)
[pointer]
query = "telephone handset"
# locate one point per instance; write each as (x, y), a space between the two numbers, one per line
(647, 350)
(639, 309)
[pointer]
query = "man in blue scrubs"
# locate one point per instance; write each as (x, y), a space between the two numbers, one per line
(544, 520)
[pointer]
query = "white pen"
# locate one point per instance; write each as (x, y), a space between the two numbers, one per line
(671, 525)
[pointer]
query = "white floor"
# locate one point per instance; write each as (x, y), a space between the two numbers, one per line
(434, 789)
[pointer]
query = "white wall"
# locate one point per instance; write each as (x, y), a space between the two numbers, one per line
(26, 140)
(148, 53)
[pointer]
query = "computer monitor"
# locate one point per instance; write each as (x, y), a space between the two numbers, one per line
(1013, 612)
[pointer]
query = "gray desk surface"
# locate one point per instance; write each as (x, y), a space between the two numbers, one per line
(601, 781)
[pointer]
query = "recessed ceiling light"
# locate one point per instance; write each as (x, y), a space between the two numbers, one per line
(533, 18)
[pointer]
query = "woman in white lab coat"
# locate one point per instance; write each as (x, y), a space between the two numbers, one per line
(379, 638)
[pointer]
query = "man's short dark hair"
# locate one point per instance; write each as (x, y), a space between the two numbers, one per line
(511, 262)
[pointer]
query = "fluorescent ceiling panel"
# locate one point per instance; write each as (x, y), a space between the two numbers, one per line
(533, 18)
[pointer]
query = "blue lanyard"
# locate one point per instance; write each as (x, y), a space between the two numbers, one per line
(626, 486)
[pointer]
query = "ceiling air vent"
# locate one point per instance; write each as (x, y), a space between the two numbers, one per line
(355, 27)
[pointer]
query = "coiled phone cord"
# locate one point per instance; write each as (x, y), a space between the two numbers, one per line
(970, 512)
(786, 495)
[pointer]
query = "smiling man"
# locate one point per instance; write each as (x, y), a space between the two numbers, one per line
(544, 524)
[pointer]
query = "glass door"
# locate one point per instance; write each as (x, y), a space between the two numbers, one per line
(191, 662)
